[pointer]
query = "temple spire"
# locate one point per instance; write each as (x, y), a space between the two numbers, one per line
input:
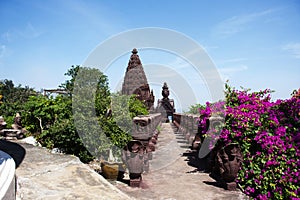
(134, 60)
(135, 80)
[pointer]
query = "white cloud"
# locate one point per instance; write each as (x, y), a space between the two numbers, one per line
(228, 72)
(232, 60)
(207, 48)
(179, 63)
(3, 53)
(239, 23)
(293, 48)
(30, 32)
(96, 16)
(233, 69)
(6, 36)
(2, 50)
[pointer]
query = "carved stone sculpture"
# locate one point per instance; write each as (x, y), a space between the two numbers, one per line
(165, 106)
(17, 125)
(229, 159)
(138, 152)
(133, 157)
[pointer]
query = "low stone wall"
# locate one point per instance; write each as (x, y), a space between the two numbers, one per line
(7, 174)
(187, 124)
(145, 126)
(138, 152)
(11, 134)
(49, 176)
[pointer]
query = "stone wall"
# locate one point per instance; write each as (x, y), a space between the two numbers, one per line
(187, 124)
(138, 152)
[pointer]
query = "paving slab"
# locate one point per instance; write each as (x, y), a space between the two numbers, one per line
(43, 175)
(172, 177)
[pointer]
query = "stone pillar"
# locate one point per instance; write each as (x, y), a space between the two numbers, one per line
(138, 152)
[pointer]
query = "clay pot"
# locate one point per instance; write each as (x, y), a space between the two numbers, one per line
(112, 171)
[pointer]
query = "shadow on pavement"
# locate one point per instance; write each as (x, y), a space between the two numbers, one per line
(202, 165)
(192, 159)
(16, 151)
(214, 183)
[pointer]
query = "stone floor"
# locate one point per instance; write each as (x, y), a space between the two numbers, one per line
(173, 174)
(44, 175)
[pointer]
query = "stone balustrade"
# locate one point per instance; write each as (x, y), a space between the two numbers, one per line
(187, 124)
(145, 126)
(138, 152)
(11, 134)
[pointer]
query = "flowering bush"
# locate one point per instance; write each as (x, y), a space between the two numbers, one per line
(269, 136)
(207, 130)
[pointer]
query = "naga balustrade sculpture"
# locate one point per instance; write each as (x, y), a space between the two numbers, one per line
(138, 152)
(228, 161)
(212, 123)
(134, 158)
(187, 125)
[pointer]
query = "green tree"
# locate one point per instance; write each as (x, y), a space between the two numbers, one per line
(194, 109)
(68, 85)
(42, 112)
(78, 123)
(136, 107)
(13, 99)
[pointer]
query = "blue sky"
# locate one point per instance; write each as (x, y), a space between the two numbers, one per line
(254, 44)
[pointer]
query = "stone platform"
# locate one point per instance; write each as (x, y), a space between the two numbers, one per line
(43, 175)
(173, 174)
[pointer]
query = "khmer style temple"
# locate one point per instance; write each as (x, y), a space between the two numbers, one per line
(135, 81)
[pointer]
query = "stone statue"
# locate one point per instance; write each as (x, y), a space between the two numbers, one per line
(133, 157)
(165, 91)
(229, 160)
(17, 125)
(17, 122)
(165, 106)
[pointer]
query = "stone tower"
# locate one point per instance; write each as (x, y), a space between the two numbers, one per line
(135, 81)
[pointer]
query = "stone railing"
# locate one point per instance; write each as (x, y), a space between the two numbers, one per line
(11, 134)
(7, 174)
(138, 152)
(187, 124)
(145, 126)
